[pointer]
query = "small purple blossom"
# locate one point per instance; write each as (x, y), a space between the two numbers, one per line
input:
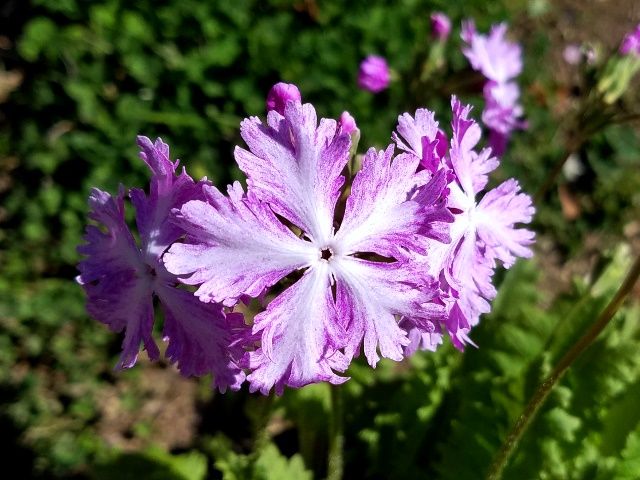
(121, 278)
(502, 113)
(280, 94)
(575, 54)
(500, 61)
(497, 58)
(631, 43)
(374, 74)
(440, 26)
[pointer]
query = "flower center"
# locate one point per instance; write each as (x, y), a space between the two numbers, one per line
(326, 253)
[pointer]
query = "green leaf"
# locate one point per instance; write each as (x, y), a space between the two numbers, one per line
(272, 465)
(629, 466)
(154, 464)
(38, 38)
(266, 464)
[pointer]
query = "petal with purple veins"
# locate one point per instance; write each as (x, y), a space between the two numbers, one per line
(200, 337)
(370, 298)
(300, 335)
(115, 279)
(497, 214)
(235, 246)
(295, 166)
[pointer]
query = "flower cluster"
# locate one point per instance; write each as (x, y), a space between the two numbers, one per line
(391, 258)
(500, 61)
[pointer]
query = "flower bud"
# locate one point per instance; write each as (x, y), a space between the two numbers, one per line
(347, 123)
(374, 74)
(280, 94)
(631, 43)
(440, 26)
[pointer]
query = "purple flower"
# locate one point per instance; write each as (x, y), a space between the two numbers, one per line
(483, 231)
(374, 74)
(347, 283)
(500, 61)
(496, 57)
(502, 113)
(440, 26)
(631, 43)
(280, 94)
(121, 278)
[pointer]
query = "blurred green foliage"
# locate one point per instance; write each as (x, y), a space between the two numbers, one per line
(95, 74)
(154, 464)
(267, 463)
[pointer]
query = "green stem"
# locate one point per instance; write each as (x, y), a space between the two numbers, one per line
(626, 118)
(335, 466)
(509, 446)
(263, 408)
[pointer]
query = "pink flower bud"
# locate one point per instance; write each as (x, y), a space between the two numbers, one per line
(346, 123)
(631, 43)
(280, 94)
(440, 26)
(374, 74)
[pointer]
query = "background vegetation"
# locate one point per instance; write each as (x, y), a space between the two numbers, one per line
(79, 79)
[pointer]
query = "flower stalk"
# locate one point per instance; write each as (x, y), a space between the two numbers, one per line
(501, 460)
(335, 466)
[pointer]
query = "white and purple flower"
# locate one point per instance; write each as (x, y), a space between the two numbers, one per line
(351, 281)
(482, 231)
(121, 278)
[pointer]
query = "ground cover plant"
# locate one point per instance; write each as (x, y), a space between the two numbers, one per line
(463, 137)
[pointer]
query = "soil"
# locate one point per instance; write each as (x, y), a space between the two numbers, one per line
(166, 415)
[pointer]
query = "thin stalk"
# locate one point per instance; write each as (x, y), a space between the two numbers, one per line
(335, 466)
(509, 446)
(587, 121)
(627, 118)
(263, 409)
(551, 177)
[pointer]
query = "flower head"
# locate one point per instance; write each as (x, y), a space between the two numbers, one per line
(374, 74)
(572, 54)
(440, 26)
(122, 278)
(496, 57)
(502, 113)
(349, 280)
(482, 232)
